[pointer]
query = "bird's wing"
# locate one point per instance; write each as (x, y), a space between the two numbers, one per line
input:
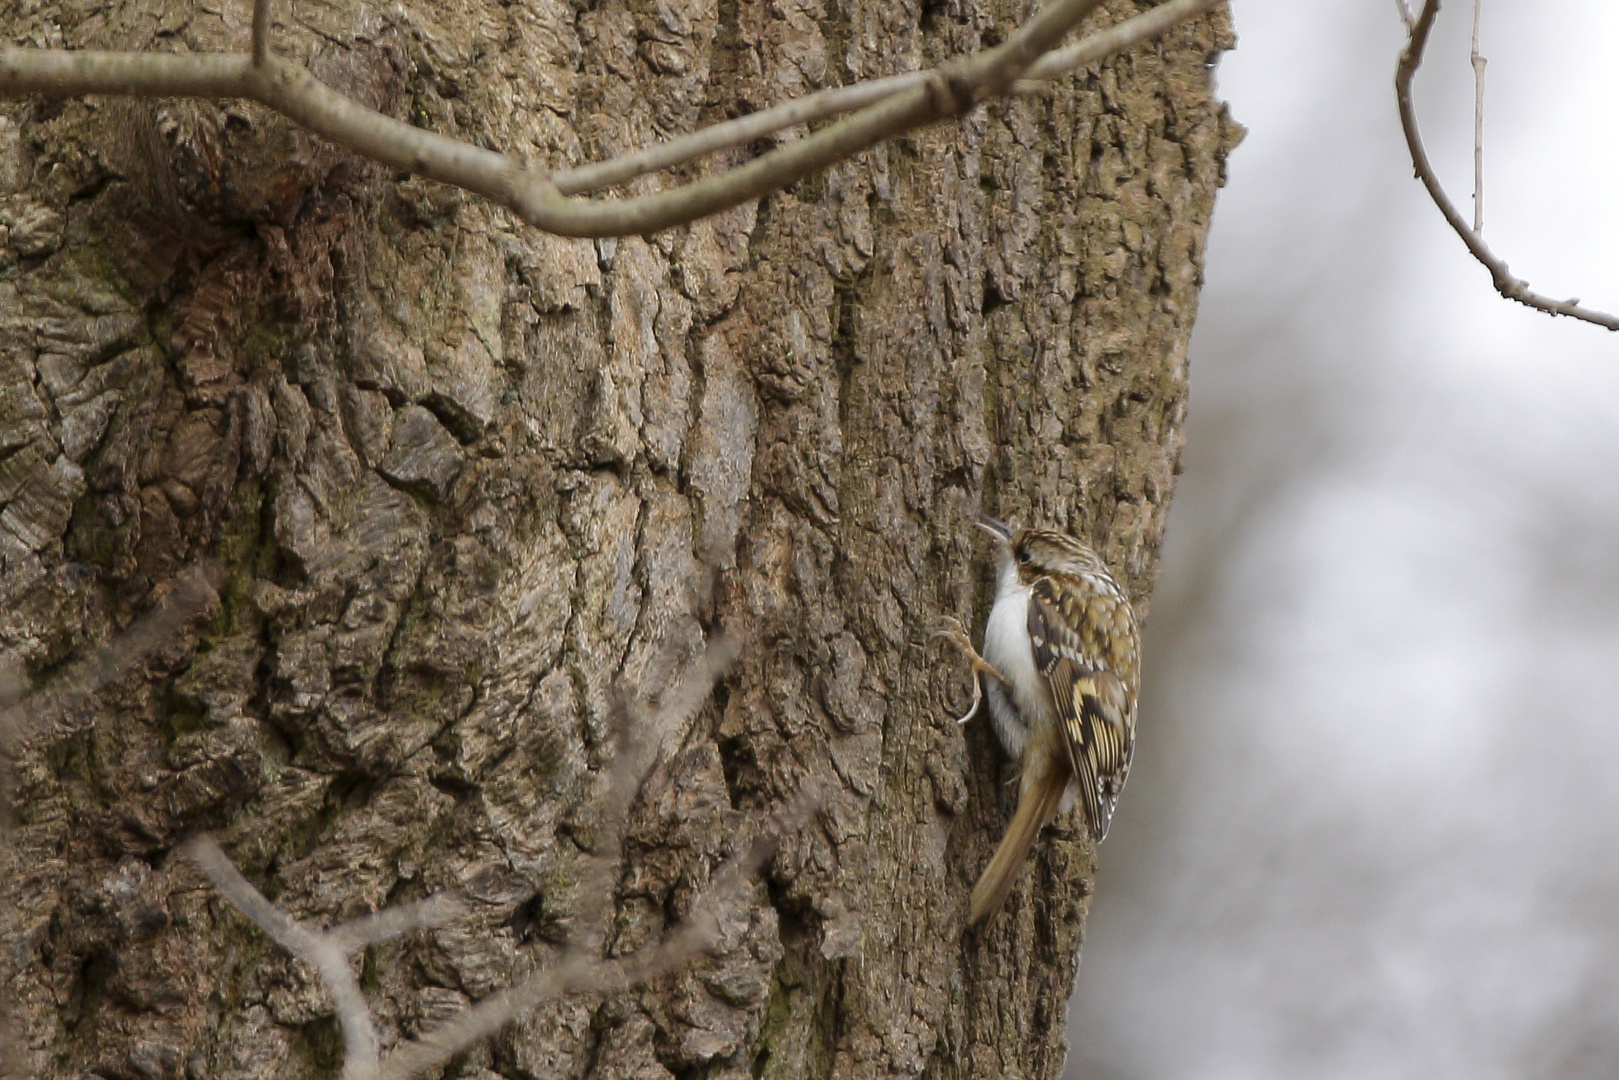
(1093, 704)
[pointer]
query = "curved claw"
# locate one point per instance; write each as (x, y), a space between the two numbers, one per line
(978, 699)
(956, 634)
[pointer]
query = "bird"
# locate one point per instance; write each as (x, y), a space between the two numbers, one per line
(1062, 651)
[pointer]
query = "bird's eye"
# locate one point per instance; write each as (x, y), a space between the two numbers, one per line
(1024, 557)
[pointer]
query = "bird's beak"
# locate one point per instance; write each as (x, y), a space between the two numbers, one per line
(1000, 530)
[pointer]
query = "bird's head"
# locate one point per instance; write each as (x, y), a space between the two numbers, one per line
(1037, 553)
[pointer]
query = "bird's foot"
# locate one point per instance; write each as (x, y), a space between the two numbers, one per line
(956, 634)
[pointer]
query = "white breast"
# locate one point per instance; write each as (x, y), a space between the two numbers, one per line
(1006, 645)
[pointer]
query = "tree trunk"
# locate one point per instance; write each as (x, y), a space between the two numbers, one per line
(463, 478)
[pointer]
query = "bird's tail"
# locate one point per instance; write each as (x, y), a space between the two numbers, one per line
(1037, 804)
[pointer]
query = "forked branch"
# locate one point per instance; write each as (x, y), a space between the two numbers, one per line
(1513, 288)
(886, 107)
(642, 734)
(324, 950)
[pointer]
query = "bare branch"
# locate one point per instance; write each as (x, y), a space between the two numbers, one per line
(1117, 38)
(580, 971)
(353, 1015)
(1511, 287)
(639, 740)
(1478, 124)
(581, 968)
(1405, 14)
(261, 32)
(843, 99)
(738, 132)
(888, 108)
(191, 592)
(395, 922)
(948, 91)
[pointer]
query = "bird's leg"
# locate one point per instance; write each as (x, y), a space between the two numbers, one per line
(956, 634)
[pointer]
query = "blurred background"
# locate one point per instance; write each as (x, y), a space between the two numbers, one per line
(1373, 824)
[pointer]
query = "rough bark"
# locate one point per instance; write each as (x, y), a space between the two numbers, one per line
(463, 477)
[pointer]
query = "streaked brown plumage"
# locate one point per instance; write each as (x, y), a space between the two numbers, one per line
(1063, 651)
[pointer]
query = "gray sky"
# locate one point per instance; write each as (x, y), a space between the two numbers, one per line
(1373, 825)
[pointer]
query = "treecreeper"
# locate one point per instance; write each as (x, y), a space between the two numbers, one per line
(1062, 650)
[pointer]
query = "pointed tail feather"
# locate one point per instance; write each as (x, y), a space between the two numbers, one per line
(1034, 808)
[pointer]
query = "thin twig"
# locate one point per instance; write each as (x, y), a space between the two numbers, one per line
(580, 970)
(353, 1015)
(1508, 286)
(639, 741)
(1405, 14)
(1478, 124)
(395, 922)
(191, 593)
(641, 738)
(576, 973)
(911, 102)
(729, 133)
(1117, 38)
(261, 32)
(844, 99)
